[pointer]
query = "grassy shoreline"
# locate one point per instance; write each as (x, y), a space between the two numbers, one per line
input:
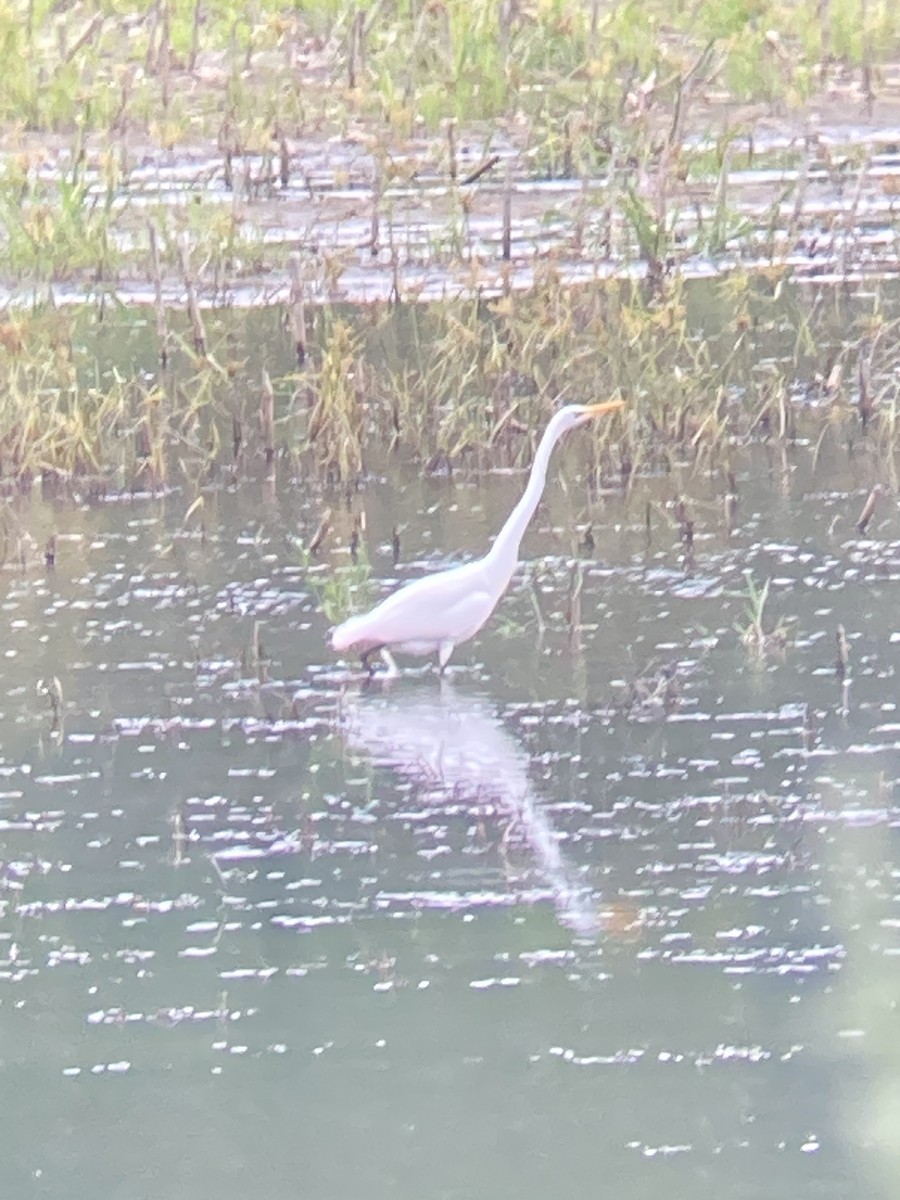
(182, 71)
(392, 135)
(706, 368)
(199, 156)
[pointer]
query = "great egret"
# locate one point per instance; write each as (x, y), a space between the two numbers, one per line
(434, 614)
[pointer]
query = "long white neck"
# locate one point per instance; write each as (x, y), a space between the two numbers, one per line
(503, 556)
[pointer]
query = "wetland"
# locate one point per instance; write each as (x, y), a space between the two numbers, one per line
(288, 296)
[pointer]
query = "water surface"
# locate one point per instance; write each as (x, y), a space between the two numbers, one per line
(615, 906)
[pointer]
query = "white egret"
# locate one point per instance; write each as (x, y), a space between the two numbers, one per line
(433, 615)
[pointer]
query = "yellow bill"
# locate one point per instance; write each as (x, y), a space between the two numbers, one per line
(596, 410)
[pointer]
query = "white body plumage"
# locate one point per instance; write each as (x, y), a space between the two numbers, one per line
(435, 614)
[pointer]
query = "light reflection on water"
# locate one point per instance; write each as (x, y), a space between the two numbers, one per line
(313, 940)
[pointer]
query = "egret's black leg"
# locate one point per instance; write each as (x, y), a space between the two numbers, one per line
(364, 658)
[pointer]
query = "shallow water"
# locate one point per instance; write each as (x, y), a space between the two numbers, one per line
(813, 195)
(613, 903)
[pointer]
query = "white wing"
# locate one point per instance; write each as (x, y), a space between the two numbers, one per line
(452, 605)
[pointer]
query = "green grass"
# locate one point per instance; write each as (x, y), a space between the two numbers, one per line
(93, 87)
(101, 65)
(756, 638)
(704, 369)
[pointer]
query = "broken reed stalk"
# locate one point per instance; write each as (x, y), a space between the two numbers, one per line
(226, 145)
(868, 509)
(451, 149)
(481, 170)
(866, 403)
(120, 117)
(321, 534)
(506, 249)
(196, 22)
(86, 38)
(573, 605)
(868, 90)
(848, 218)
(394, 298)
(284, 159)
(193, 307)
(568, 148)
(297, 309)
(151, 55)
(256, 654)
(267, 417)
(686, 533)
(357, 49)
(580, 217)
(843, 653)
(376, 201)
(352, 56)
(162, 325)
(801, 187)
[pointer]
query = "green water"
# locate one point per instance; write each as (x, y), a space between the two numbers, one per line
(613, 911)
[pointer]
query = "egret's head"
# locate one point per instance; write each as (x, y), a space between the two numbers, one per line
(579, 414)
(354, 634)
(345, 635)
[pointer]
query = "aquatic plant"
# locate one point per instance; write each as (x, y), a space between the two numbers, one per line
(335, 429)
(452, 107)
(62, 225)
(344, 589)
(276, 68)
(753, 633)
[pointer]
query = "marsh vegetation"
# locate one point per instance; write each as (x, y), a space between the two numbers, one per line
(553, 173)
(288, 294)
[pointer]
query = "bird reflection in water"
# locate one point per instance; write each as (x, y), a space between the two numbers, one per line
(454, 747)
